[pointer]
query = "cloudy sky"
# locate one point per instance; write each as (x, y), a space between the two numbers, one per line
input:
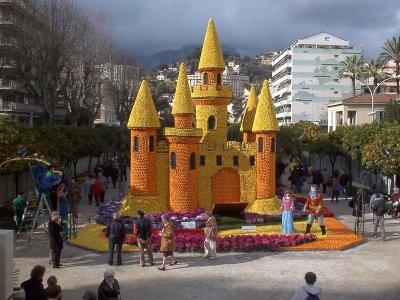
(250, 26)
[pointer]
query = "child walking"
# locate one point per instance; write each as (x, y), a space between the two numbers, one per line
(287, 214)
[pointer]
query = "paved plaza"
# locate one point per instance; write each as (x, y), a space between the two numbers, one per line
(367, 271)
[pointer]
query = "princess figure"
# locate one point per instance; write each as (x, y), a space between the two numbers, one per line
(287, 214)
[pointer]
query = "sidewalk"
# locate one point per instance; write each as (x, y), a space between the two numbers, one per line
(368, 271)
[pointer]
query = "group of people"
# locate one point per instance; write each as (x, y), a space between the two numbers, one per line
(142, 229)
(313, 206)
(34, 290)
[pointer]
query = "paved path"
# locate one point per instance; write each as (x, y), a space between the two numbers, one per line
(368, 271)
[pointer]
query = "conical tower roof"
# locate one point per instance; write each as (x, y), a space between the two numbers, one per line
(144, 113)
(250, 111)
(183, 103)
(211, 54)
(265, 118)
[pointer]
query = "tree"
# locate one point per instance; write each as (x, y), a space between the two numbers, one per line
(372, 154)
(392, 112)
(391, 51)
(374, 69)
(352, 64)
(11, 134)
(50, 47)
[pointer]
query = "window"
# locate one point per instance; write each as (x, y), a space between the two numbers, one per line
(336, 80)
(235, 160)
(136, 144)
(327, 38)
(336, 92)
(351, 118)
(260, 144)
(192, 161)
(173, 160)
(219, 160)
(202, 160)
(151, 143)
(336, 68)
(205, 78)
(252, 160)
(219, 79)
(211, 123)
(273, 145)
(336, 56)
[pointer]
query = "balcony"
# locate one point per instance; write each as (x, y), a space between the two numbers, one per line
(9, 84)
(20, 107)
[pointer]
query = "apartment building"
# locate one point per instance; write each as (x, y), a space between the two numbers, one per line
(16, 19)
(237, 82)
(305, 78)
(117, 74)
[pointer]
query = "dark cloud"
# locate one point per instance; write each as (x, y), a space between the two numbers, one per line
(250, 26)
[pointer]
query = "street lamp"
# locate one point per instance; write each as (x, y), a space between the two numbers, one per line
(372, 92)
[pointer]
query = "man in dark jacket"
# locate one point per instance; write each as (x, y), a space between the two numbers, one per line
(33, 287)
(115, 232)
(55, 238)
(109, 287)
(142, 230)
(379, 208)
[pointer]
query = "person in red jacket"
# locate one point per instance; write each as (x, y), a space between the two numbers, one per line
(97, 188)
(314, 207)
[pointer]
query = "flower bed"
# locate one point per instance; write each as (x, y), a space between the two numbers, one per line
(192, 240)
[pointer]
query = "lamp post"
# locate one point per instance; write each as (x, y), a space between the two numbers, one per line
(372, 92)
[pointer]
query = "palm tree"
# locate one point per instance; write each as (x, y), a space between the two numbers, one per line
(392, 52)
(352, 64)
(374, 68)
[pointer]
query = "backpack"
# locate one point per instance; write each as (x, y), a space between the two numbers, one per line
(379, 206)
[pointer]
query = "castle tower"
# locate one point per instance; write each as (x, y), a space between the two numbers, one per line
(248, 117)
(183, 144)
(143, 123)
(212, 96)
(265, 127)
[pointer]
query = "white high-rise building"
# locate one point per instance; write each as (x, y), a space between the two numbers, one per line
(305, 78)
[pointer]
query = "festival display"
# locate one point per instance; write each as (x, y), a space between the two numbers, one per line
(197, 169)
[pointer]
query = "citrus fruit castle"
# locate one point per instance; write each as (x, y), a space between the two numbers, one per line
(197, 167)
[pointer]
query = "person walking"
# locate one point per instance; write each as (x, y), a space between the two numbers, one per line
(210, 235)
(335, 189)
(55, 238)
(103, 181)
(314, 207)
(379, 208)
(87, 186)
(310, 290)
(344, 180)
(97, 190)
(115, 232)
(325, 180)
(394, 201)
(142, 229)
(33, 287)
(168, 241)
(109, 288)
(18, 204)
(287, 214)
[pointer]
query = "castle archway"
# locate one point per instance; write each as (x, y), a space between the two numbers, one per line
(226, 186)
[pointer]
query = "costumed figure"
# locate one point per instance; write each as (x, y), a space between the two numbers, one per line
(287, 214)
(314, 207)
(64, 209)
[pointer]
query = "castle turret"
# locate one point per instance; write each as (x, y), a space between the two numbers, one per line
(265, 127)
(183, 144)
(248, 117)
(143, 123)
(212, 96)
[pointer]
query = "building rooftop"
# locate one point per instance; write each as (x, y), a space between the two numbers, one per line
(211, 54)
(366, 99)
(144, 113)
